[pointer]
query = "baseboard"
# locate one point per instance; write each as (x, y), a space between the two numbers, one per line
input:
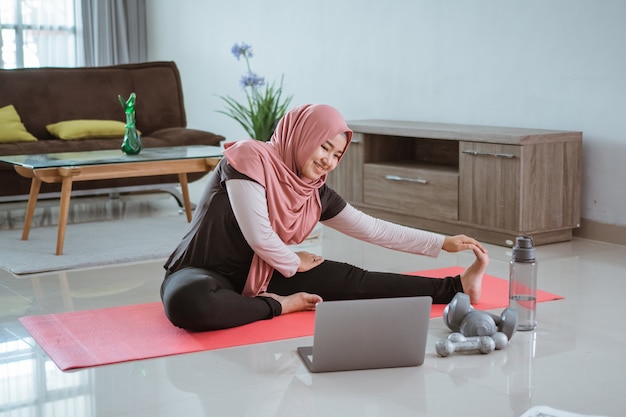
(593, 230)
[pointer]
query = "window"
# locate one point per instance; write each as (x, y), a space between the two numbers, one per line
(39, 33)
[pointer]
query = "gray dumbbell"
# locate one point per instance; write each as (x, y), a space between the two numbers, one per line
(457, 342)
(460, 316)
(477, 323)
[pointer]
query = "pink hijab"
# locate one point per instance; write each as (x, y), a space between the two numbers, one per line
(293, 203)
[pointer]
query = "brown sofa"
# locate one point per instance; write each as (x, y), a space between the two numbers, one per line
(43, 96)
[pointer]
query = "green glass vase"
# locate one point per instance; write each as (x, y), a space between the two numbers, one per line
(132, 139)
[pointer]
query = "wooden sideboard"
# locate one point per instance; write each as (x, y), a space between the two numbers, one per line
(492, 183)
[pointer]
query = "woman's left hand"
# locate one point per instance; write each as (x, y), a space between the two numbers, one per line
(308, 260)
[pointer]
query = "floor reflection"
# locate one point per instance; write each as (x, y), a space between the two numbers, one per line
(30, 384)
(89, 209)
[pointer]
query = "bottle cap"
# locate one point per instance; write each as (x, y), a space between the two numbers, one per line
(524, 249)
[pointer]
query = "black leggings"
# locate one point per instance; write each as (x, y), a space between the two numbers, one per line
(198, 299)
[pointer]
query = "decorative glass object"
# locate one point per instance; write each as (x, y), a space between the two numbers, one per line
(132, 140)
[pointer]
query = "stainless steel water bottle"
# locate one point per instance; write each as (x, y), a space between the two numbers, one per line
(523, 283)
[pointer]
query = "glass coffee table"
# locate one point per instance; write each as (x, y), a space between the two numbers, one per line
(68, 167)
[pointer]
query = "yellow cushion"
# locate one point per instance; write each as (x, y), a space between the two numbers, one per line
(11, 127)
(87, 129)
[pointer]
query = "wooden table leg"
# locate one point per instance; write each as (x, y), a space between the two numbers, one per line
(184, 186)
(64, 207)
(35, 185)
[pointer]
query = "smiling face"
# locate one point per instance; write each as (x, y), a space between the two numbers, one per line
(325, 158)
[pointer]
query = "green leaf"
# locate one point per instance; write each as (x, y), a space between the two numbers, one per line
(261, 111)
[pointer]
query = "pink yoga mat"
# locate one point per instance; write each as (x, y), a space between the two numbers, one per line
(82, 339)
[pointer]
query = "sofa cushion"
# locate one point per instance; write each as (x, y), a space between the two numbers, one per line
(11, 127)
(87, 129)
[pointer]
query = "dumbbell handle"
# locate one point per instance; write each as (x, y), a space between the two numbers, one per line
(483, 344)
(495, 318)
(500, 338)
(467, 342)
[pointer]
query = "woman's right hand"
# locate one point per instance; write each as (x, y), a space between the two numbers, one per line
(461, 242)
(308, 260)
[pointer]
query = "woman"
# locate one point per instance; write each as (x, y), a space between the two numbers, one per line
(234, 265)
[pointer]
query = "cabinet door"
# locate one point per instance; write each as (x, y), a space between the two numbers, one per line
(347, 178)
(489, 185)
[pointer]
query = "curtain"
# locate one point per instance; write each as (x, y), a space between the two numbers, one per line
(114, 32)
(1, 42)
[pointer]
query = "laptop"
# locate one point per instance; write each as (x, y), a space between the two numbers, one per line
(368, 334)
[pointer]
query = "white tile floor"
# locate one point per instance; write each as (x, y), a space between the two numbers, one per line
(573, 361)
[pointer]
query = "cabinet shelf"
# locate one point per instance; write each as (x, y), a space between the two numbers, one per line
(426, 166)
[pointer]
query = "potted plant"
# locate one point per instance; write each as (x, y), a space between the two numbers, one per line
(264, 105)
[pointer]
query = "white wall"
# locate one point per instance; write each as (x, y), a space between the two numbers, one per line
(555, 64)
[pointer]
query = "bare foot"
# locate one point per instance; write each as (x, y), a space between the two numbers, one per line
(472, 277)
(300, 301)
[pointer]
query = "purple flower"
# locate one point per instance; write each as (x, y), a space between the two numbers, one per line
(251, 80)
(262, 108)
(244, 50)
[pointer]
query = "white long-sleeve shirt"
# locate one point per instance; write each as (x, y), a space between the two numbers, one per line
(249, 204)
